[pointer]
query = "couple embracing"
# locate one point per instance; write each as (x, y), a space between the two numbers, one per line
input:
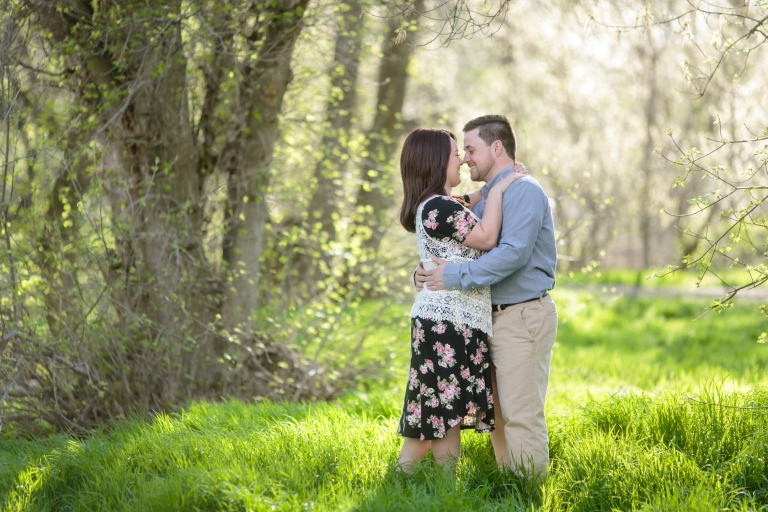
(483, 323)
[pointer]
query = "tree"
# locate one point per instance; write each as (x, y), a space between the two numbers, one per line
(129, 281)
(115, 86)
(732, 219)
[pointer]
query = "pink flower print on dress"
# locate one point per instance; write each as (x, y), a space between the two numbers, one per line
(413, 379)
(427, 366)
(439, 328)
(446, 354)
(414, 418)
(434, 402)
(462, 228)
(451, 391)
(477, 357)
(431, 223)
(464, 373)
(452, 423)
(471, 408)
(481, 384)
(438, 424)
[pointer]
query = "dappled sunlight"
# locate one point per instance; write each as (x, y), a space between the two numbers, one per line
(205, 284)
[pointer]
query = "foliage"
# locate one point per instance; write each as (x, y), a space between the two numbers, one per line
(628, 429)
(727, 221)
(736, 236)
(628, 451)
(159, 234)
(199, 199)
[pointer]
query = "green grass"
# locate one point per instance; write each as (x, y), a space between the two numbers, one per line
(624, 452)
(681, 279)
(608, 344)
(631, 422)
(617, 344)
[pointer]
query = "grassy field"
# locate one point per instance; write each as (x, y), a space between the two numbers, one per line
(648, 408)
(682, 279)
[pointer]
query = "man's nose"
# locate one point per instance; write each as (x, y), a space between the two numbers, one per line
(466, 157)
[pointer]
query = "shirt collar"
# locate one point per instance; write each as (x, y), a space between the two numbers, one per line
(488, 186)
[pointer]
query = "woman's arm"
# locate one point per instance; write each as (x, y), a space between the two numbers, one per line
(485, 234)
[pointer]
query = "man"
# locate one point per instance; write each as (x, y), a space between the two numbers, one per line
(520, 272)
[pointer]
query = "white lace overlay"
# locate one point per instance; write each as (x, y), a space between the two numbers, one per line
(472, 308)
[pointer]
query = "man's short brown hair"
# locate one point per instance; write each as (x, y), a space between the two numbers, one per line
(493, 128)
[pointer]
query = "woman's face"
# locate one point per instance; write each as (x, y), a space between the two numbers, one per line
(453, 177)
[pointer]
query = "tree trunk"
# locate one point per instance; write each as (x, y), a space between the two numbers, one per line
(163, 271)
(342, 102)
(375, 193)
(334, 145)
(262, 88)
(649, 57)
(58, 259)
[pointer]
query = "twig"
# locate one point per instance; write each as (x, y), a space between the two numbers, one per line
(743, 408)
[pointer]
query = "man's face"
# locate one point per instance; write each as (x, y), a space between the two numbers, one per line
(478, 156)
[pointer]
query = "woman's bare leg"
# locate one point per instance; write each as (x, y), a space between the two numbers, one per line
(448, 450)
(413, 451)
(498, 439)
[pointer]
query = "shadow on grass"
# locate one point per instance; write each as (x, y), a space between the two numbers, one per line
(193, 458)
(476, 484)
(431, 488)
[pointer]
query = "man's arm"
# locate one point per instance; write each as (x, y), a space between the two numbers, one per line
(523, 212)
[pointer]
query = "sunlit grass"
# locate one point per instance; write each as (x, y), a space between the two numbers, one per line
(624, 452)
(614, 344)
(611, 344)
(624, 432)
(654, 278)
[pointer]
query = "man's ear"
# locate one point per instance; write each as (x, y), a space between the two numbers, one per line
(498, 148)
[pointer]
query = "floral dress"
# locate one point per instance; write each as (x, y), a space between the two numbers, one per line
(449, 382)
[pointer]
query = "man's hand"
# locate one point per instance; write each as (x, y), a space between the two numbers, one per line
(419, 277)
(434, 279)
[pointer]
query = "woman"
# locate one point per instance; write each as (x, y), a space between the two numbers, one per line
(449, 383)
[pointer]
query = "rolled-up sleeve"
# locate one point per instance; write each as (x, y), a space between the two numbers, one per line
(523, 211)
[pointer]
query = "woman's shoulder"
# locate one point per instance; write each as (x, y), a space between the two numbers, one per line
(442, 203)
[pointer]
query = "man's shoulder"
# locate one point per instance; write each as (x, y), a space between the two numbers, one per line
(526, 188)
(531, 183)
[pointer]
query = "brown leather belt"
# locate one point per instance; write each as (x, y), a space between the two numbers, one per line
(502, 307)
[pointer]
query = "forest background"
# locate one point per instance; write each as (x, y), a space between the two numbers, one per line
(199, 199)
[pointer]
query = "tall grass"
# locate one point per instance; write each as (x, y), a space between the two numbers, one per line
(631, 428)
(627, 452)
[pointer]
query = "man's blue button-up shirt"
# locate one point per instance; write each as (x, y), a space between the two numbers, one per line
(522, 266)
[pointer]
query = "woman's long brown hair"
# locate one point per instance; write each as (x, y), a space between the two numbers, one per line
(424, 169)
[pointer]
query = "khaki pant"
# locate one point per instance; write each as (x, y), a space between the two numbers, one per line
(521, 350)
